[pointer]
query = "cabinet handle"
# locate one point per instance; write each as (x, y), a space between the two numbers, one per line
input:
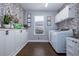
(72, 40)
(69, 8)
(7, 32)
(75, 42)
(21, 31)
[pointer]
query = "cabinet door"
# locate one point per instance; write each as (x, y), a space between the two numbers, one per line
(72, 12)
(61, 15)
(17, 39)
(70, 47)
(2, 42)
(77, 48)
(10, 42)
(58, 18)
(24, 36)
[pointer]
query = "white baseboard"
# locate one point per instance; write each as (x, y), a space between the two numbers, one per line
(19, 49)
(38, 40)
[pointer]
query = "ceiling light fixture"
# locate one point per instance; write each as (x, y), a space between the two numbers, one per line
(46, 4)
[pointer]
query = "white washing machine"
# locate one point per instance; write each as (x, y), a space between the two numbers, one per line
(58, 40)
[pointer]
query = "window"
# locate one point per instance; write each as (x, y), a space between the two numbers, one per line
(39, 25)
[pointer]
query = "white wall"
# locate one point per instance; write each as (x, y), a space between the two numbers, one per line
(31, 35)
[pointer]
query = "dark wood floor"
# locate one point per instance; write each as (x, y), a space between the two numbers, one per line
(38, 49)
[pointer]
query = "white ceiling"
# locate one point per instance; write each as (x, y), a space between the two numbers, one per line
(41, 6)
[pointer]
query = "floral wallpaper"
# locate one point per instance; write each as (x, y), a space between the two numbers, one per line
(12, 9)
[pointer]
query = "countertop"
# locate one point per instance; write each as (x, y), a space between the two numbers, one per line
(75, 37)
(4, 29)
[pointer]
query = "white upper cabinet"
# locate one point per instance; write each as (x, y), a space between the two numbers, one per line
(67, 13)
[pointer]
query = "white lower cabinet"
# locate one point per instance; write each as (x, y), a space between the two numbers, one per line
(11, 41)
(72, 46)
